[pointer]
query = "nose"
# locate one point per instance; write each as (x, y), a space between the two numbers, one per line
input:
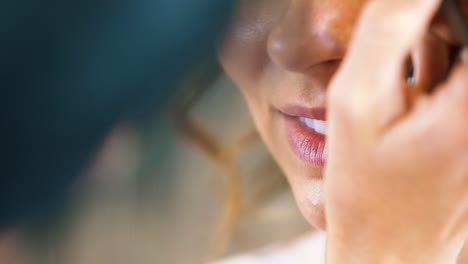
(312, 33)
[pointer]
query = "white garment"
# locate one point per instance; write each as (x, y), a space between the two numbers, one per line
(308, 249)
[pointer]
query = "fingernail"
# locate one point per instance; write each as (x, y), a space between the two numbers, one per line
(464, 55)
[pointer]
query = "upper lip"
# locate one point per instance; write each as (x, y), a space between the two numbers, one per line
(317, 113)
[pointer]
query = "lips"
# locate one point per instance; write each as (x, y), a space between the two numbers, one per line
(306, 131)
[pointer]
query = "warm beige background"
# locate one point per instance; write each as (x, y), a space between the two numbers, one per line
(153, 198)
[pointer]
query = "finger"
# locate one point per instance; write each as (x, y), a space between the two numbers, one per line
(389, 29)
(386, 33)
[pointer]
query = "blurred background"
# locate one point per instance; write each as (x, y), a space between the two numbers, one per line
(193, 184)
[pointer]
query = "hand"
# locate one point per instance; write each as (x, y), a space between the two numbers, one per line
(396, 180)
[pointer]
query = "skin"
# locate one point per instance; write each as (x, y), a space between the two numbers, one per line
(269, 53)
(317, 54)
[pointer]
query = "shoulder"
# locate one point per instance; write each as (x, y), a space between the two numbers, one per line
(306, 249)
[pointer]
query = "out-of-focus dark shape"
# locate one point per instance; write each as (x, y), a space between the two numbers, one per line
(71, 69)
(456, 20)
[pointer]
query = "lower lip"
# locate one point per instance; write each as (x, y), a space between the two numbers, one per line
(305, 142)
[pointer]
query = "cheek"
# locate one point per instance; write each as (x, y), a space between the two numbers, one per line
(244, 53)
(240, 70)
(243, 59)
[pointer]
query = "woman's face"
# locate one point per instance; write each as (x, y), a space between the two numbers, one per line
(282, 55)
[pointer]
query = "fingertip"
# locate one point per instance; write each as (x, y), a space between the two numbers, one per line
(395, 18)
(389, 29)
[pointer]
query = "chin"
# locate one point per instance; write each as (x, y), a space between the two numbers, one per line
(314, 214)
(317, 219)
(310, 198)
